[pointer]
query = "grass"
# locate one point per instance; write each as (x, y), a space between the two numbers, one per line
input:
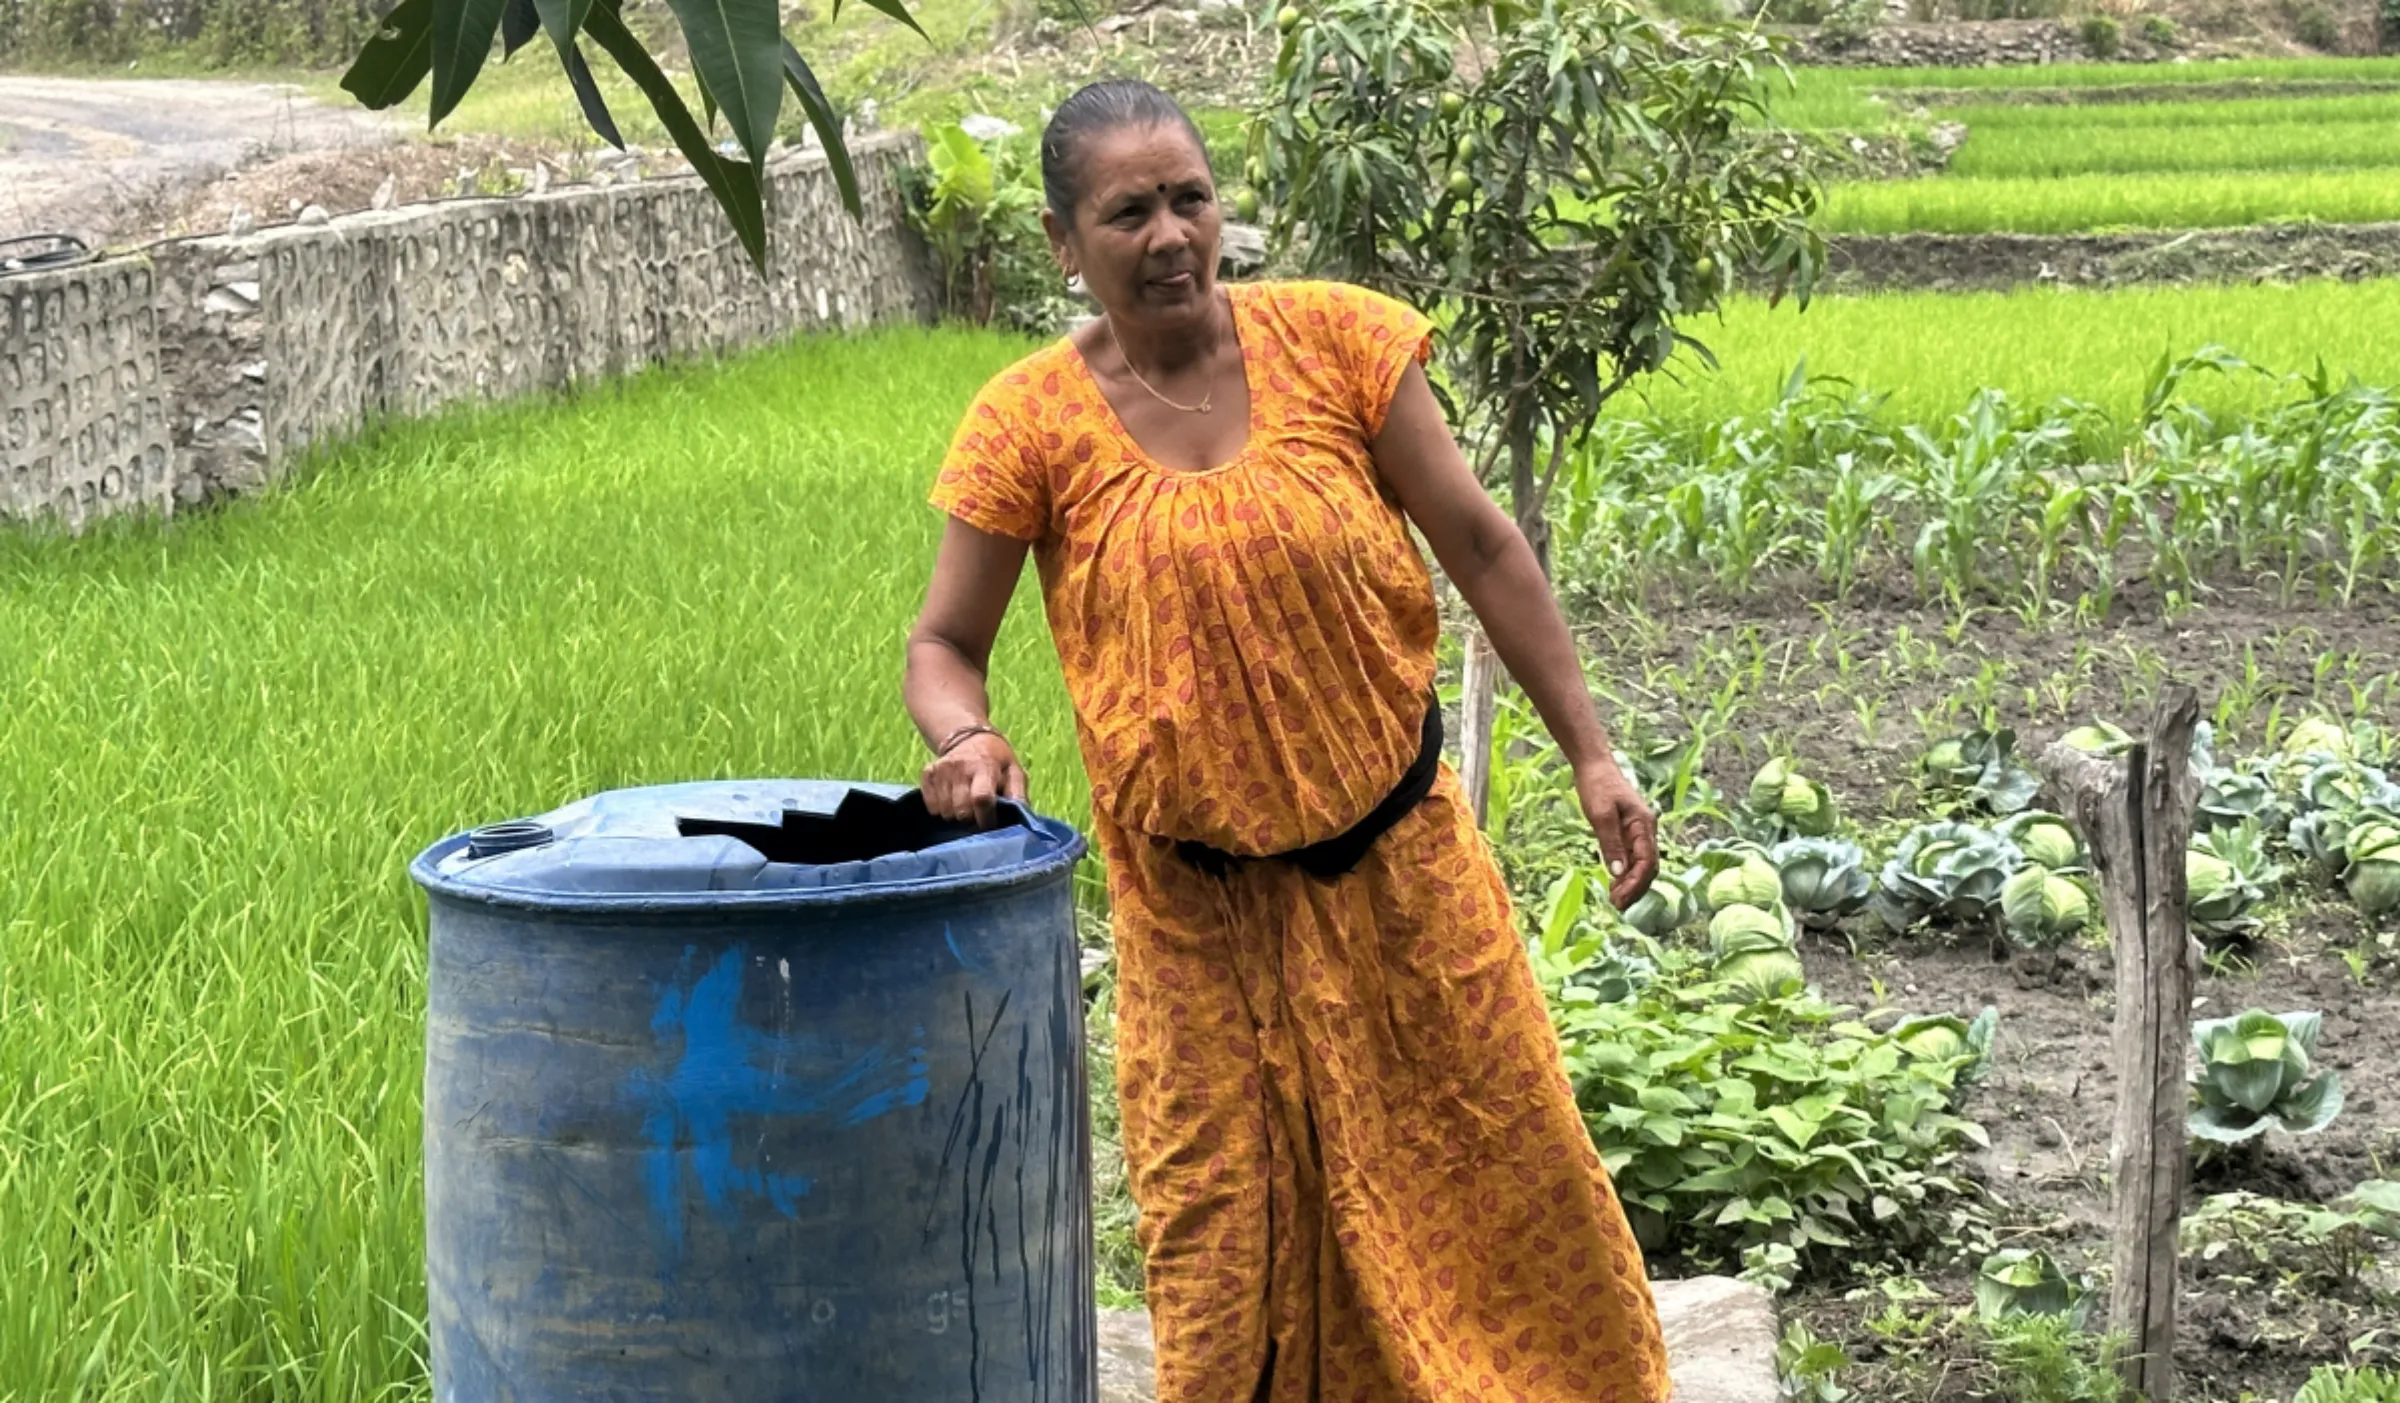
(1852, 99)
(222, 742)
(2101, 202)
(1932, 351)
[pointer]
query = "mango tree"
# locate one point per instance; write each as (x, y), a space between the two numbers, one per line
(740, 61)
(1566, 184)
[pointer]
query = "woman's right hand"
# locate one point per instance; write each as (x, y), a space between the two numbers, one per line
(968, 783)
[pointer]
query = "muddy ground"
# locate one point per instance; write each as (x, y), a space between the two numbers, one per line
(2050, 1096)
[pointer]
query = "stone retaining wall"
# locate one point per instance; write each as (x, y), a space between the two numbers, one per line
(203, 366)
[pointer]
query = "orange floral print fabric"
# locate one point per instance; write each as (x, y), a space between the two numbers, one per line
(1361, 1173)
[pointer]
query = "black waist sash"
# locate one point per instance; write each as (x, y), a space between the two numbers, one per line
(1331, 857)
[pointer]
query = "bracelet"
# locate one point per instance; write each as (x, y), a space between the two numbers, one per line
(964, 734)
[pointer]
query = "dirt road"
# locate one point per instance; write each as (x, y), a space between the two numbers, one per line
(87, 156)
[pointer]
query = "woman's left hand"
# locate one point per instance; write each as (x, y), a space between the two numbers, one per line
(1628, 834)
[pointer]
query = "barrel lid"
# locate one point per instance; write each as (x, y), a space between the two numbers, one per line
(739, 844)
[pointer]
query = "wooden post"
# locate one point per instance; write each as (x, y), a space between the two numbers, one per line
(2137, 819)
(1476, 707)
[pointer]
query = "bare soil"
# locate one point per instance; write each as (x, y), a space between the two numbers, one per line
(1970, 262)
(80, 155)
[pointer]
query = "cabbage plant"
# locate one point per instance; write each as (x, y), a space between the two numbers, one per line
(2230, 797)
(2041, 910)
(1782, 801)
(2219, 900)
(1667, 907)
(1949, 872)
(2371, 864)
(1753, 949)
(1824, 879)
(2254, 1074)
(1945, 1037)
(2017, 1281)
(1984, 765)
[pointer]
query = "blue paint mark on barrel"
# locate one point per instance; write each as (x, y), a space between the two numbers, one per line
(711, 1120)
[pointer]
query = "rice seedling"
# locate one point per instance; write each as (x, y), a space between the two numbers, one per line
(221, 741)
(2092, 202)
(2304, 143)
(1925, 354)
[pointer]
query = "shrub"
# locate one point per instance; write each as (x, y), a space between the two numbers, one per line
(2387, 25)
(1778, 1131)
(979, 203)
(2102, 37)
(2159, 30)
(2316, 27)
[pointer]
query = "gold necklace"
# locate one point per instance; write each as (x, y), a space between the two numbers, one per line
(1207, 401)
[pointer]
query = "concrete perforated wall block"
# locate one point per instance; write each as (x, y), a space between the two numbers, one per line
(83, 419)
(206, 368)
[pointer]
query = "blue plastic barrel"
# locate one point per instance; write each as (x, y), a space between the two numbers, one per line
(756, 1092)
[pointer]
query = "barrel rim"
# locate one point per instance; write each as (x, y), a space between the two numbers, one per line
(424, 870)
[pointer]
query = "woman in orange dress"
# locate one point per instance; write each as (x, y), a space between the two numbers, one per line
(1360, 1170)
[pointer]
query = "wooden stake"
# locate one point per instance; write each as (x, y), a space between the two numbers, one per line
(2136, 816)
(1476, 713)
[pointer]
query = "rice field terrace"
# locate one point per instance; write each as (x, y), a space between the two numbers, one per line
(1830, 613)
(2114, 147)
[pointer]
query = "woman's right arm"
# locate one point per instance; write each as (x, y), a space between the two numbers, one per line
(949, 658)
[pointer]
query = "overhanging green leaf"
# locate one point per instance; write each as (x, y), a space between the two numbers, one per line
(462, 40)
(829, 125)
(564, 20)
(587, 95)
(737, 54)
(893, 8)
(734, 183)
(396, 60)
(519, 22)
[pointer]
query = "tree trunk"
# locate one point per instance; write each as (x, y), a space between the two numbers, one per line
(1524, 487)
(2137, 818)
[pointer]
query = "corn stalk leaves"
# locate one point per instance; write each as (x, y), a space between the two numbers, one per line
(564, 19)
(828, 124)
(737, 54)
(462, 40)
(519, 22)
(735, 184)
(396, 60)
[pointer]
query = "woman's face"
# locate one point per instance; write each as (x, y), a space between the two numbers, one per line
(1146, 226)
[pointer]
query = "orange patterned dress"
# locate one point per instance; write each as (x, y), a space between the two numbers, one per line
(1360, 1170)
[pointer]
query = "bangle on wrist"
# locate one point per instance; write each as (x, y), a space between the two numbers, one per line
(964, 734)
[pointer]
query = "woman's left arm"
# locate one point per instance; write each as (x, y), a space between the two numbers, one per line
(1487, 558)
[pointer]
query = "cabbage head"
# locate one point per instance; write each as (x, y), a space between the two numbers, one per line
(2099, 738)
(2254, 1075)
(1790, 802)
(2319, 737)
(1667, 907)
(1737, 930)
(2218, 899)
(2372, 850)
(1760, 975)
(2046, 839)
(1751, 882)
(1949, 872)
(2042, 910)
(2020, 1281)
(1824, 879)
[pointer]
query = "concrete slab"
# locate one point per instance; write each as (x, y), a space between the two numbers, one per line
(1720, 1344)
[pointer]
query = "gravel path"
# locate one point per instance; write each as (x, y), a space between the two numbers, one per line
(85, 155)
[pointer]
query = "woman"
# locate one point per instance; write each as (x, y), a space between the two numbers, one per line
(1361, 1173)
